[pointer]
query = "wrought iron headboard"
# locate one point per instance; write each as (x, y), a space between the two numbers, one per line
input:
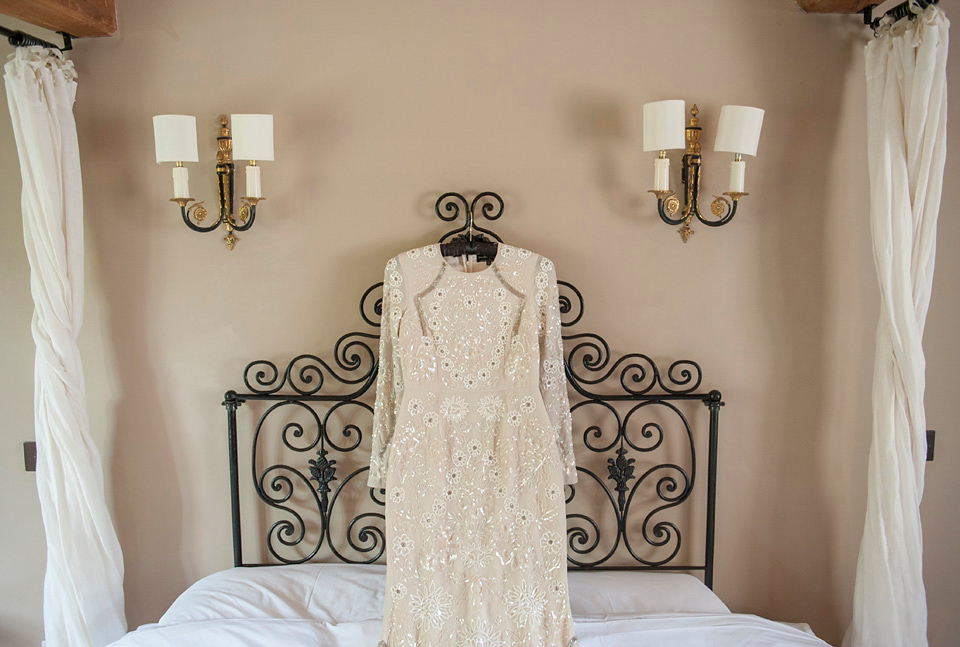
(634, 425)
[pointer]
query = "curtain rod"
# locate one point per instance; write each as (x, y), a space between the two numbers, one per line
(902, 10)
(23, 39)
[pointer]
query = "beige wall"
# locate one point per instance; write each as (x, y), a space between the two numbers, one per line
(378, 107)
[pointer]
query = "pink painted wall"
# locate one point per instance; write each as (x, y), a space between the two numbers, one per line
(378, 108)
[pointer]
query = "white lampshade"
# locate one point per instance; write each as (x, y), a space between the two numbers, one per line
(663, 125)
(252, 137)
(739, 130)
(175, 137)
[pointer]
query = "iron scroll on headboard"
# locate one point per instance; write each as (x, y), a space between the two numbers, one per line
(636, 436)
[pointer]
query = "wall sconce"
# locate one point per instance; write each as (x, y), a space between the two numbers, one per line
(663, 130)
(252, 139)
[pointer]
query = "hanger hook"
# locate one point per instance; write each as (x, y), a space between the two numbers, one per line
(488, 204)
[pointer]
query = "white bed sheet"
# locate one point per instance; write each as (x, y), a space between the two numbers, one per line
(660, 630)
(338, 605)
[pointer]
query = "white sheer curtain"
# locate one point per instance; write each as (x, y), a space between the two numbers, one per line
(83, 585)
(906, 139)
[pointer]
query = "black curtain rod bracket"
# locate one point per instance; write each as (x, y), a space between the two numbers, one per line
(23, 39)
(902, 10)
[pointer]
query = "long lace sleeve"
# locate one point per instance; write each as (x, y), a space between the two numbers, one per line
(553, 382)
(389, 377)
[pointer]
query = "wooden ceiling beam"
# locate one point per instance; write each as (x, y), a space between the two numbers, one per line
(835, 6)
(80, 18)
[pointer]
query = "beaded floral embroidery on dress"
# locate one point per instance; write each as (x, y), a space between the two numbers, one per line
(472, 447)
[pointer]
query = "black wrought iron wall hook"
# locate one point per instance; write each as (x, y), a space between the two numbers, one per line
(470, 239)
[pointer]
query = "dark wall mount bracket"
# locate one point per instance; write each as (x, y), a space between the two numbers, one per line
(23, 39)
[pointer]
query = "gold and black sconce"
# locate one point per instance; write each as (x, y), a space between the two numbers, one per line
(251, 139)
(664, 129)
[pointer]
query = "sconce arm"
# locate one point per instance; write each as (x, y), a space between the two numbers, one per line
(196, 211)
(667, 206)
(248, 213)
(724, 209)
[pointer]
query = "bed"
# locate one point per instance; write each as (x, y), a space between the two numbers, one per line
(308, 533)
(339, 605)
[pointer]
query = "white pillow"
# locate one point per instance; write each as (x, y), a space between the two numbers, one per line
(323, 592)
(598, 595)
(338, 593)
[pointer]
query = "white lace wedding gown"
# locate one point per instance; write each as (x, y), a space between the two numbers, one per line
(472, 445)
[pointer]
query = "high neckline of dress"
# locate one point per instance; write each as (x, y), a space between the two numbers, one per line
(449, 267)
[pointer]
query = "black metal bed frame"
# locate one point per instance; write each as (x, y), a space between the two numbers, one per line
(626, 389)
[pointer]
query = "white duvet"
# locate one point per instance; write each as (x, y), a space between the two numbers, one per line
(337, 605)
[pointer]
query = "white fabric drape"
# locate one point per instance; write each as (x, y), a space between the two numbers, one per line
(906, 139)
(83, 585)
